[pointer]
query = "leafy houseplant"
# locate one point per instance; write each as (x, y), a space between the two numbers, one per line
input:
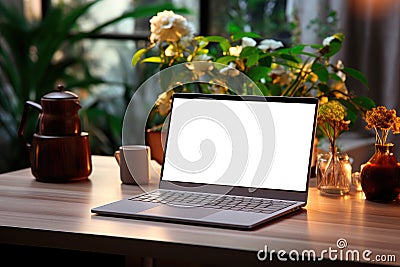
(37, 55)
(300, 70)
(380, 176)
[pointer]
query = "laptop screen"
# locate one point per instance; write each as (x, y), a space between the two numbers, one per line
(253, 142)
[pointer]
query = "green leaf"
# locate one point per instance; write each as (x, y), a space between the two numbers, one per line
(233, 28)
(323, 88)
(223, 42)
(258, 72)
(152, 60)
(339, 36)
(136, 57)
(334, 47)
(335, 77)
(356, 74)
(308, 54)
(316, 46)
(290, 58)
(364, 102)
(321, 71)
(298, 49)
(201, 41)
(252, 60)
(226, 59)
(351, 110)
(8, 69)
(263, 88)
(249, 51)
(115, 125)
(266, 61)
(275, 89)
(240, 35)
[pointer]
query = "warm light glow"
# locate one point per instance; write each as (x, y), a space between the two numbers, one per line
(33, 9)
(374, 8)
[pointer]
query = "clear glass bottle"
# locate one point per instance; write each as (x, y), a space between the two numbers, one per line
(334, 173)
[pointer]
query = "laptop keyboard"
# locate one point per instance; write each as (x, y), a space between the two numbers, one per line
(214, 201)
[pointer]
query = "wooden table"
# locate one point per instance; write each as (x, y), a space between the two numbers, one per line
(43, 215)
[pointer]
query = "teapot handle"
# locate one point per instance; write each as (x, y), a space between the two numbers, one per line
(24, 118)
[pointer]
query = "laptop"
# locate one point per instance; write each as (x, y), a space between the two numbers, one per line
(229, 161)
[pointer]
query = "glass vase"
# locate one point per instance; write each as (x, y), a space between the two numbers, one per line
(380, 176)
(334, 173)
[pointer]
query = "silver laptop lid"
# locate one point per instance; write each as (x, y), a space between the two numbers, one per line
(239, 143)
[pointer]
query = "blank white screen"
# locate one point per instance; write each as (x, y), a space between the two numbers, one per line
(290, 131)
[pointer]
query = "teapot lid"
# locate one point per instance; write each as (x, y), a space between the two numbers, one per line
(59, 93)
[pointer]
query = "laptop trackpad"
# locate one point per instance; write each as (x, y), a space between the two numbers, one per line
(179, 212)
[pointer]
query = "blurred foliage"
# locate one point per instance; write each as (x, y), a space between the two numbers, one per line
(35, 56)
(264, 17)
(299, 70)
(326, 24)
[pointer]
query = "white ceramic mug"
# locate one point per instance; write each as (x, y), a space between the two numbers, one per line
(134, 164)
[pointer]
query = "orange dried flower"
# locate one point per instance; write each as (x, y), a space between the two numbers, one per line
(383, 120)
(380, 117)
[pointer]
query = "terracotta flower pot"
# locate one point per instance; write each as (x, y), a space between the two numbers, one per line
(156, 139)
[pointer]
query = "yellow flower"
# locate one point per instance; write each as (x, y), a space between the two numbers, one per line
(331, 120)
(323, 100)
(331, 111)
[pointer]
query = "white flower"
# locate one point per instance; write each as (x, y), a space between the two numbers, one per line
(340, 73)
(327, 41)
(340, 86)
(200, 67)
(270, 44)
(246, 41)
(235, 50)
(170, 27)
(230, 70)
(203, 57)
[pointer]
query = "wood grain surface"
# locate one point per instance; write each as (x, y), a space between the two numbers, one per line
(58, 215)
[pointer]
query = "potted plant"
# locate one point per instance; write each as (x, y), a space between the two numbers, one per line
(37, 55)
(301, 70)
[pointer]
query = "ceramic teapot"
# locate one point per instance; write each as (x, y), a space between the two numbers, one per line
(58, 114)
(59, 151)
